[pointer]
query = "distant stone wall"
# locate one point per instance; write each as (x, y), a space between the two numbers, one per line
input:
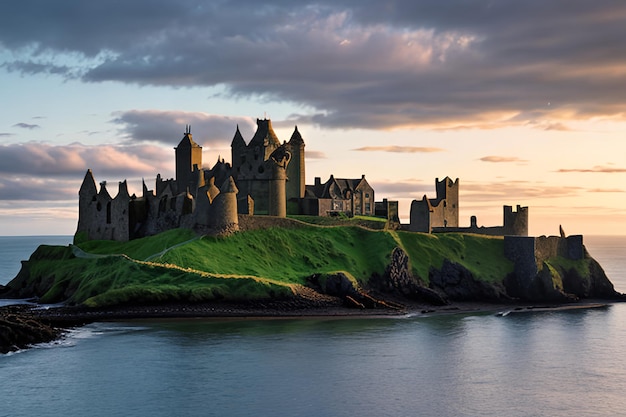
(570, 247)
(316, 206)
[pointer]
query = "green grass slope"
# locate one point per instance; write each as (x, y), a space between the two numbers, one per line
(177, 266)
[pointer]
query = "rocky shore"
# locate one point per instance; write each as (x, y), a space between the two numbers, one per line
(20, 328)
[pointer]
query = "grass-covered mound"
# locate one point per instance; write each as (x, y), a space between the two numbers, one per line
(179, 266)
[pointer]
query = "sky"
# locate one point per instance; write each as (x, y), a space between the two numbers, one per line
(523, 101)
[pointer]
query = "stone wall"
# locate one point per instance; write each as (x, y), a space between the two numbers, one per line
(529, 253)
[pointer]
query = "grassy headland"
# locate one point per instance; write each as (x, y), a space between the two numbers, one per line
(274, 262)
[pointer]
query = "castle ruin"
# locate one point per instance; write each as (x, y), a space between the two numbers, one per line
(441, 214)
(266, 177)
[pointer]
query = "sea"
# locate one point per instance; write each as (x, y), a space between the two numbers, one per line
(558, 363)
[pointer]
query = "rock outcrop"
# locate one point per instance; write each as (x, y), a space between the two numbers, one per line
(19, 329)
(339, 285)
(399, 281)
(459, 284)
(563, 284)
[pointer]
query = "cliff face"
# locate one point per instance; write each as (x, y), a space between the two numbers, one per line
(458, 284)
(555, 281)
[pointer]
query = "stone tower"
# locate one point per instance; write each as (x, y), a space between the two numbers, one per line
(278, 162)
(120, 205)
(86, 198)
(259, 169)
(224, 208)
(448, 193)
(516, 222)
(238, 152)
(188, 162)
(295, 170)
(440, 212)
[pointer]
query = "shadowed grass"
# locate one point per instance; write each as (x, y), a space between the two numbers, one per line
(483, 256)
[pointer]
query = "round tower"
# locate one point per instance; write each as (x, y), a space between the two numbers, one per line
(278, 162)
(224, 208)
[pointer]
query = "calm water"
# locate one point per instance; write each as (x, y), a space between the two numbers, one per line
(536, 364)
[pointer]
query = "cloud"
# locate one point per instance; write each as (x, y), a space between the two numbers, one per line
(27, 126)
(606, 190)
(168, 127)
(596, 169)
(399, 149)
(315, 155)
(499, 159)
(357, 64)
(21, 188)
(515, 191)
(36, 171)
(408, 188)
(6, 135)
(39, 160)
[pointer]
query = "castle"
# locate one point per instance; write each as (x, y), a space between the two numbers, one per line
(441, 214)
(266, 177)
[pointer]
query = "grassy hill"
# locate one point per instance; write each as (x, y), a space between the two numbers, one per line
(255, 264)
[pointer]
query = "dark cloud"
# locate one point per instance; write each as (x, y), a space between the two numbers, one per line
(499, 159)
(6, 135)
(168, 127)
(42, 160)
(366, 63)
(31, 68)
(596, 169)
(399, 149)
(26, 126)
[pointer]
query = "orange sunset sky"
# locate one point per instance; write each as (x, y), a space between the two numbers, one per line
(524, 101)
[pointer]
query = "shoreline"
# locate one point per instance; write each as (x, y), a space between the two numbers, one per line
(287, 309)
(25, 325)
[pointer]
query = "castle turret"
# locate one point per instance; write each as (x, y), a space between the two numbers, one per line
(264, 141)
(516, 222)
(188, 160)
(295, 170)
(237, 150)
(278, 161)
(224, 217)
